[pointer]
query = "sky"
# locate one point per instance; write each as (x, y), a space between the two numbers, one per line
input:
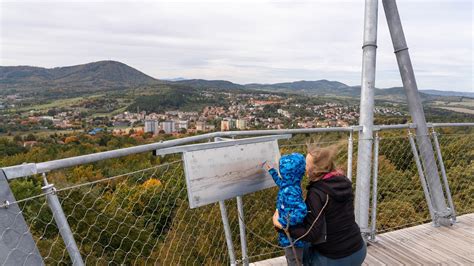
(242, 41)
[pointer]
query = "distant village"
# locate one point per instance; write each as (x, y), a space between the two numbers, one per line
(243, 112)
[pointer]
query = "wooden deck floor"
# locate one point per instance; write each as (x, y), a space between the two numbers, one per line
(419, 245)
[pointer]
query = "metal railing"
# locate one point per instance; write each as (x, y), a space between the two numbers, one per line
(77, 214)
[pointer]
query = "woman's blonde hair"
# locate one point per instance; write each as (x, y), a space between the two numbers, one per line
(322, 160)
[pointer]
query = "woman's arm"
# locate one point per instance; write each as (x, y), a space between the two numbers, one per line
(315, 206)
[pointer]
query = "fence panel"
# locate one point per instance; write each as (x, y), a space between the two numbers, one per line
(142, 216)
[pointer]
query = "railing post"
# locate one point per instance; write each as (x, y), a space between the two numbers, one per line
(61, 222)
(227, 232)
(416, 111)
(366, 120)
(373, 223)
(243, 237)
(350, 150)
(422, 178)
(225, 222)
(443, 174)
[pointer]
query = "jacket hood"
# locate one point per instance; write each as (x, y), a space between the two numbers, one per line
(292, 168)
(338, 187)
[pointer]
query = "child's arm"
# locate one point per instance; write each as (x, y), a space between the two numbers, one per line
(273, 172)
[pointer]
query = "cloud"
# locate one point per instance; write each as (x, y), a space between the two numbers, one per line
(241, 41)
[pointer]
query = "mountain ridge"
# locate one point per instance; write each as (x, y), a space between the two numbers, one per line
(113, 74)
(98, 74)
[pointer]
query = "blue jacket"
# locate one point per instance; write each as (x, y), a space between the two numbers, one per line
(290, 203)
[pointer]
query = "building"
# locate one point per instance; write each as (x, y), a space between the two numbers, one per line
(226, 125)
(201, 126)
(284, 113)
(95, 131)
(181, 124)
(152, 126)
(168, 127)
(241, 124)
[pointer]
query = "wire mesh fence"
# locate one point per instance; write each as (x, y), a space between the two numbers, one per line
(400, 198)
(137, 218)
(458, 157)
(142, 216)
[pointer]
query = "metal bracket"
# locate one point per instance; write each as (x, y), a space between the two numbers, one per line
(5, 204)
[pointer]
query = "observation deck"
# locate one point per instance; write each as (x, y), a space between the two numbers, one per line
(418, 245)
(130, 206)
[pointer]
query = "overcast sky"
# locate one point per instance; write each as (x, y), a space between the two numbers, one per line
(241, 41)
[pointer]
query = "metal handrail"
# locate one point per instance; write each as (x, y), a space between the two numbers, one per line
(28, 169)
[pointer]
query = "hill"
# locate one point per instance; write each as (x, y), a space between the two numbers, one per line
(113, 75)
(209, 84)
(449, 93)
(307, 87)
(332, 88)
(91, 76)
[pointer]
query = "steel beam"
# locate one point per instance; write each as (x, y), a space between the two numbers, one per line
(416, 110)
(62, 223)
(366, 120)
(350, 152)
(243, 236)
(373, 223)
(227, 233)
(444, 175)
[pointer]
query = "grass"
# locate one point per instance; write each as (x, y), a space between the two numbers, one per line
(458, 109)
(465, 102)
(57, 103)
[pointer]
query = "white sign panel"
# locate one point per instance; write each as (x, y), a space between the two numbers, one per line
(222, 173)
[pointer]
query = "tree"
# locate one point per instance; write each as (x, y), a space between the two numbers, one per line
(30, 137)
(18, 138)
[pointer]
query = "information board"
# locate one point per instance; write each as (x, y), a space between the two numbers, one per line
(222, 173)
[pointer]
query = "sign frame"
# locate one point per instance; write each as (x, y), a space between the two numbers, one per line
(196, 200)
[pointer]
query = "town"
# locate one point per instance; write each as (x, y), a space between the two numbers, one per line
(240, 111)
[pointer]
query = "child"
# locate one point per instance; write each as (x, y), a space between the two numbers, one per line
(290, 204)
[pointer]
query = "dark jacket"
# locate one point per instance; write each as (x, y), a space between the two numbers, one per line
(343, 234)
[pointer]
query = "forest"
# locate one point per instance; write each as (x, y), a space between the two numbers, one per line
(134, 209)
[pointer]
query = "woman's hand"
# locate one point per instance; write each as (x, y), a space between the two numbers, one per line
(276, 223)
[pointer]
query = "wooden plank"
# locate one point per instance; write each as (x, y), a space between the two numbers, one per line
(423, 245)
(438, 252)
(400, 245)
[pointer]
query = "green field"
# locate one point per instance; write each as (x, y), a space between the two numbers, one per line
(57, 103)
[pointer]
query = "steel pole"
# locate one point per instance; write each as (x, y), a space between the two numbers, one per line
(373, 223)
(227, 232)
(61, 222)
(422, 177)
(444, 175)
(243, 237)
(416, 110)
(366, 120)
(350, 151)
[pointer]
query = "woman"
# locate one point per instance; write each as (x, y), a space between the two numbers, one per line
(330, 229)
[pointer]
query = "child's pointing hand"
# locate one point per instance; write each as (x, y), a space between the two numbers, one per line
(266, 165)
